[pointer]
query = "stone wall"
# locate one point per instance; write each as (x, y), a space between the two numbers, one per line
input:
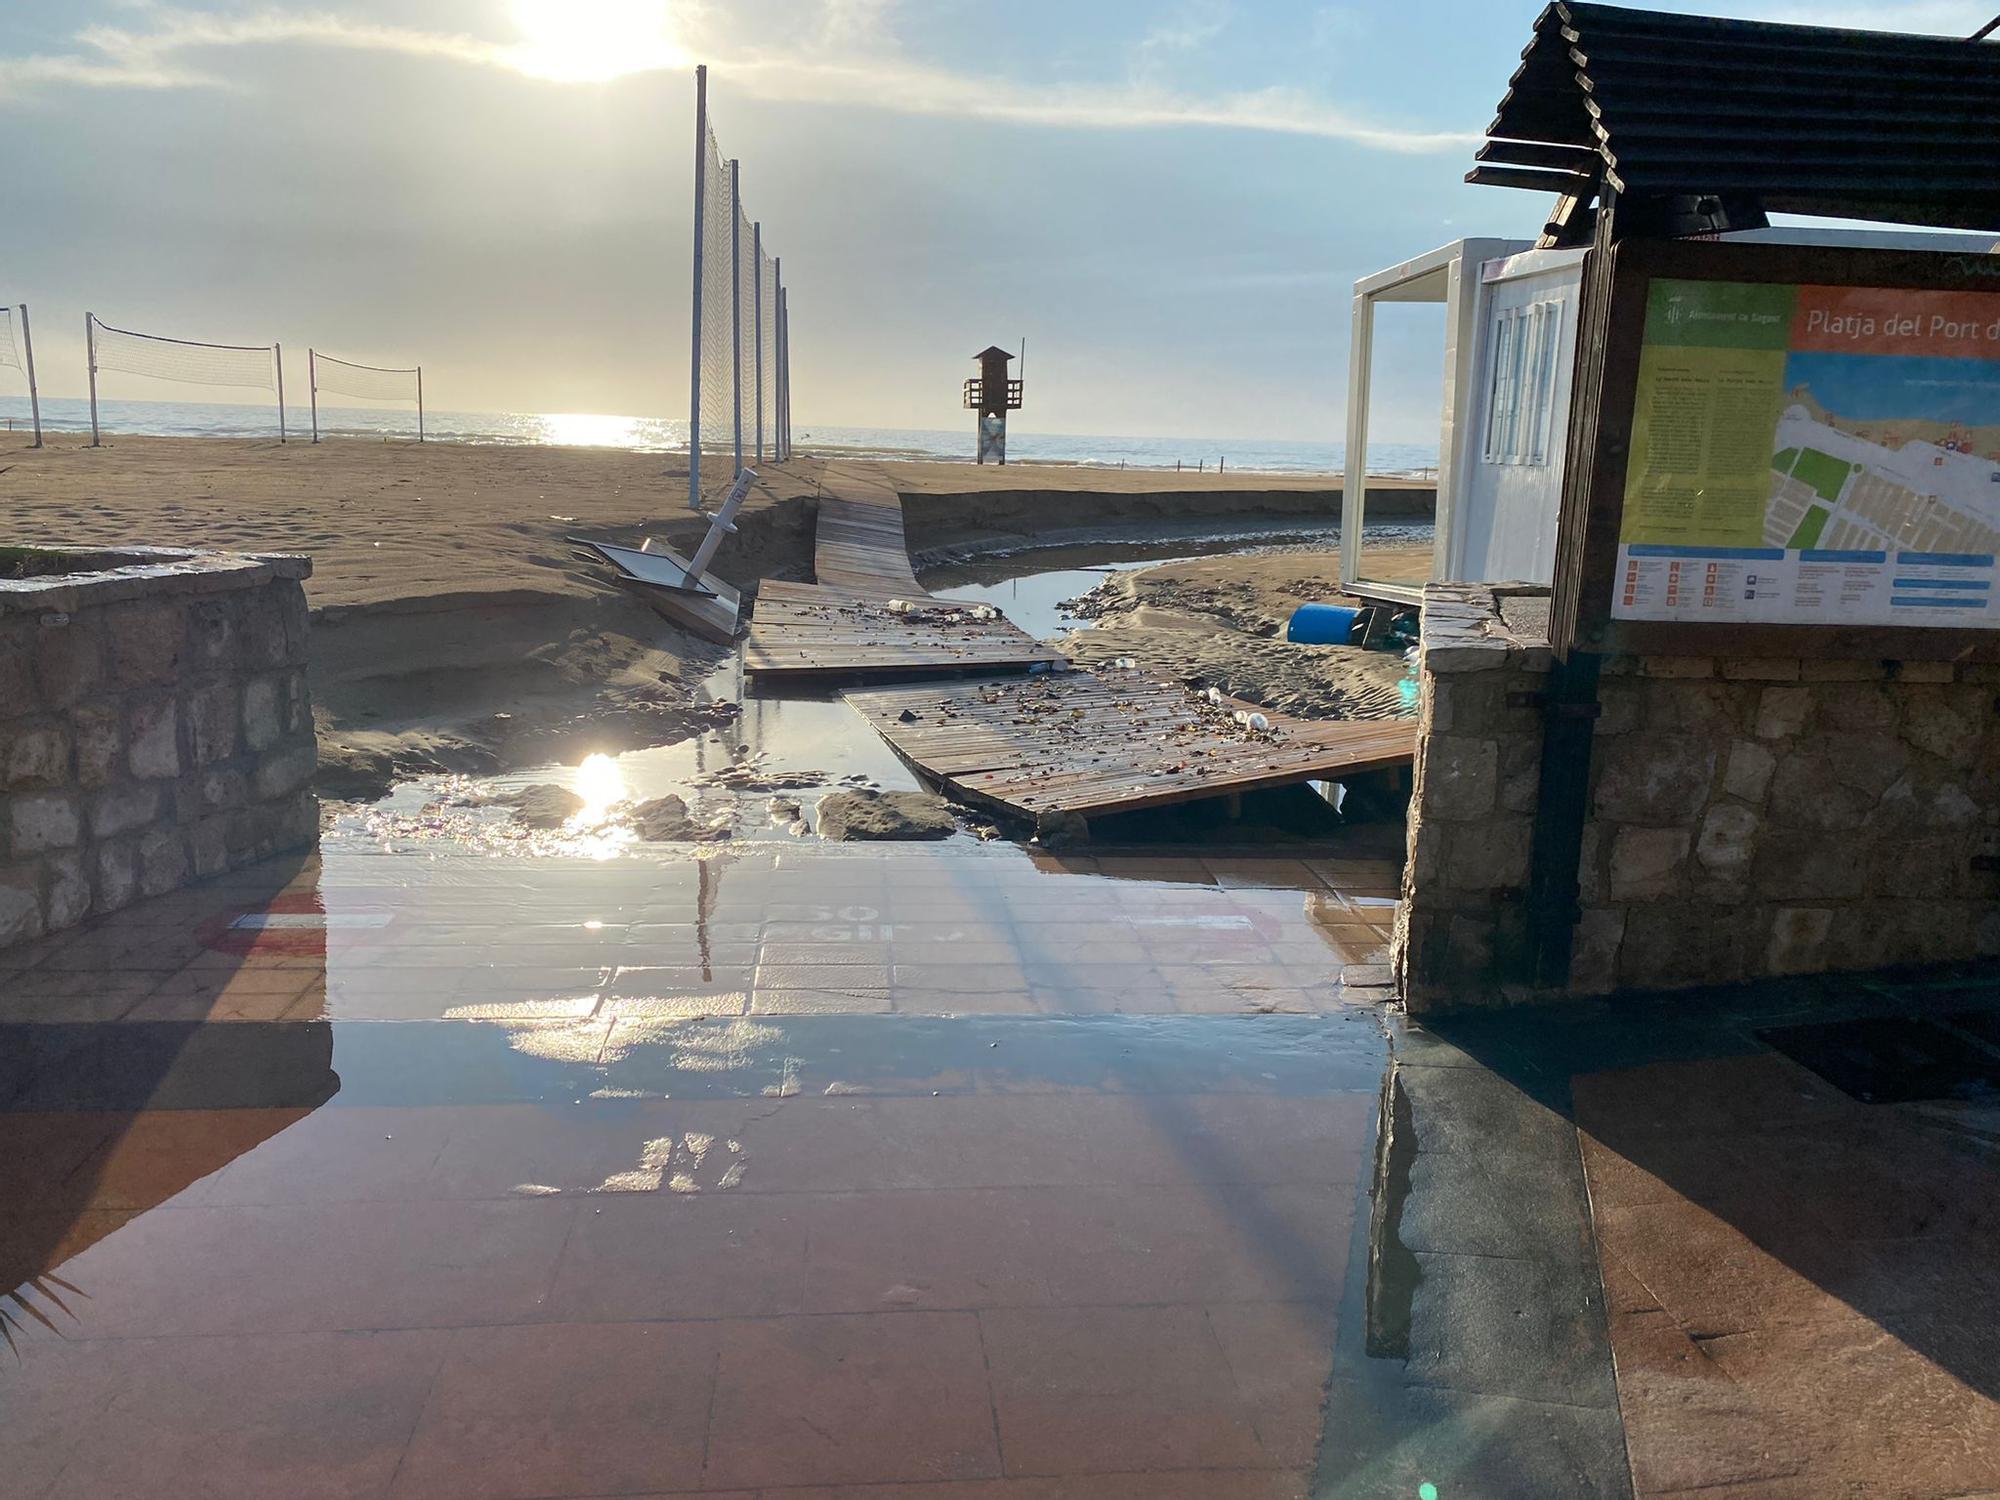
(1746, 818)
(154, 726)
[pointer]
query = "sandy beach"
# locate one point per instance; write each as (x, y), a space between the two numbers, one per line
(453, 629)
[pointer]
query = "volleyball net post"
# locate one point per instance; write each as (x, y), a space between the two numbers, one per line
(21, 357)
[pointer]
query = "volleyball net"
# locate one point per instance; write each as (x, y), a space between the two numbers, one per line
(17, 352)
(739, 372)
(343, 377)
(188, 361)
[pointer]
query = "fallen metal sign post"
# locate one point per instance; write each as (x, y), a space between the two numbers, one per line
(679, 587)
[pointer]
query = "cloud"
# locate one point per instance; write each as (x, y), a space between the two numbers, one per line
(853, 60)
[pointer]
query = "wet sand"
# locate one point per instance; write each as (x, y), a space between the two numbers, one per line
(1220, 622)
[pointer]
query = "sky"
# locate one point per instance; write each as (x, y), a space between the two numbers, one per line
(1169, 199)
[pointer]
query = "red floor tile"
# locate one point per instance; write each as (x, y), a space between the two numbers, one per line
(851, 1400)
(564, 1409)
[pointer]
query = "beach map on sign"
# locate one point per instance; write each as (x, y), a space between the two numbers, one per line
(1813, 455)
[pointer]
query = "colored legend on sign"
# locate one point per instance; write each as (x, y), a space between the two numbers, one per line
(1814, 455)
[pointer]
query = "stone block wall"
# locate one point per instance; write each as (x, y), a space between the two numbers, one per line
(1747, 818)
(155, 725)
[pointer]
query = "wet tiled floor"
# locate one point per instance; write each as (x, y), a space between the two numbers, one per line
(945, 1174)
(788, 1173)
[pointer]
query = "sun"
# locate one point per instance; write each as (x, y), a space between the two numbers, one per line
(593, 41)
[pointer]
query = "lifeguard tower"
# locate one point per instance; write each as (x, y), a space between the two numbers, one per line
(993, 395)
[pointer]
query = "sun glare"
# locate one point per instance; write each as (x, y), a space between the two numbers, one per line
(593, 41)
(601, 784)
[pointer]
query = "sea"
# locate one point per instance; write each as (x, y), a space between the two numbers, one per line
(670, 434)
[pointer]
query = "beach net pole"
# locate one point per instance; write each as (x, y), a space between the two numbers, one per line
(700, 194)
(757, 323)
(312, 388)
(420, 403)
(736, 299)
(90, 348)
(34, 394)
(278, 355)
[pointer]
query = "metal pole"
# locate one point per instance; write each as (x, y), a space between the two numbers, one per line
(312, 387)
(736, 300)
(420, 403)
(90, 344)
(34, 396)
(694, 372)
(785, 375)
(757, 326)
(278, 352)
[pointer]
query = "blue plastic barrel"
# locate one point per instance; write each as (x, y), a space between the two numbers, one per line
(1321, 625)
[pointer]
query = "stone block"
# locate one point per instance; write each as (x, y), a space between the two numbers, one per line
(44, 820)
(1647, 863)
(1926, 868)
(1706, 708)
(1652, 778)
(1491, 855)
(1621, 707)
(211, 719)
(298, 703)
(1783, 712)
(144, 643)
(1749, 771)
(1798, 940)
(1728, 839)
(1679, 666)
(21, 917)
(222, 788)
(19, 689)
(117, 875)
(264, 714)
(163, 862)
(69, 893)
(1925, 671)
(1520, 773)
(1760, 669)
(261, 630)
(1926, 797)
(1810, 791)
(1793, 864)
(1819, 670)
(1868, 708)
(99, 732)
(208, 846)
(33, 755)
(69, 662)
(1471, 941)
(211, 626)
(120, 809)
(284, 771)
(1424, 863)
(1460, 778)
(1936, 722)
(1593, 962)
(153, 749)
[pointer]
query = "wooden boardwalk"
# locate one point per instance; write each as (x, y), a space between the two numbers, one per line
(842, 626)
(1088, 744)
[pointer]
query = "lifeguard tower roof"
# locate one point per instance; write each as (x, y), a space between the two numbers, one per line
(1760, 117)
(992, 349)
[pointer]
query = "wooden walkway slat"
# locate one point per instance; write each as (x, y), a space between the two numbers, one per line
(841, 626)
(1088, 744)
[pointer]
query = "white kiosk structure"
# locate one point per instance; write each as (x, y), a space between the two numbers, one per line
(1509, 351)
